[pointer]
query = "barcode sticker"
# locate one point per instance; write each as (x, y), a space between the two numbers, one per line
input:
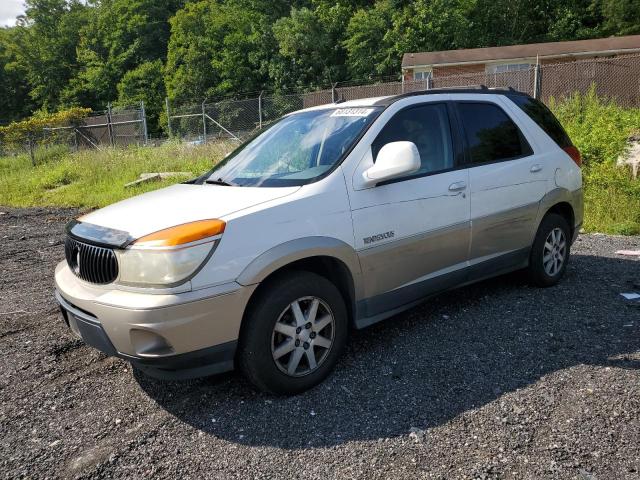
(352, 112)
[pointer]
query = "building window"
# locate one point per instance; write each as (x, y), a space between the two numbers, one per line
(508, 67)
(421, 75)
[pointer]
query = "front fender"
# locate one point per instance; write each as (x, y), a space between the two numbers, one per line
(285, 253)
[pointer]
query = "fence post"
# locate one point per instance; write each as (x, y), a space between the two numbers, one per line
(333, 92)
(110, 125)
(204, 123)
(537, 81)
(166, 102)
(31, 150)
(260, 110)
(143, 114)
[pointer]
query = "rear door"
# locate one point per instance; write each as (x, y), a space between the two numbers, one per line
(507, 182)
(412, 233)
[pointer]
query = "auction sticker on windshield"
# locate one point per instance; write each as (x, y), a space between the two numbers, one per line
(352, 112)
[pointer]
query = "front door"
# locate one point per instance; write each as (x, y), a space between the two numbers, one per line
(412, 234)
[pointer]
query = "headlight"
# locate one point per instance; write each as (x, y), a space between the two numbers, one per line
(170, 256)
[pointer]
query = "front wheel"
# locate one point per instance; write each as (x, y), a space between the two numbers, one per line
(550, 251)
(294, 333)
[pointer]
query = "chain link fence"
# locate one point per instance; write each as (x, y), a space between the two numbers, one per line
(116, 126)
(236, 119)
(613, 77)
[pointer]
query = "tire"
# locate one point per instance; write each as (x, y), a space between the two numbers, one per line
(260, 351)
(547, 265)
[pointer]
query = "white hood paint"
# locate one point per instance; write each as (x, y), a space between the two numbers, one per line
(182, 203)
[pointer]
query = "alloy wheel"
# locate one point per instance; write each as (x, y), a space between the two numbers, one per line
(554, 252)
(303, 336)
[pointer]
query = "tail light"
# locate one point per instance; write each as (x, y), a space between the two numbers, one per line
(574, 153)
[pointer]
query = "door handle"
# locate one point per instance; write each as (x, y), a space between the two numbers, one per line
(457, 186)
(535, 168)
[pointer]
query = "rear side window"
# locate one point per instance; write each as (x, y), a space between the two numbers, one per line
(428, 127)
(540, 114)
(491, 135)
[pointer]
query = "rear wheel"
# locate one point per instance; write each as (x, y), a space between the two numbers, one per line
(293, 334)
(550, 251)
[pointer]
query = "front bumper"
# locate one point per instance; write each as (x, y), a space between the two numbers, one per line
(179, 335)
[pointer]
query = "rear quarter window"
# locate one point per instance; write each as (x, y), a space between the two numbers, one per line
(540, 114)
(491, 136)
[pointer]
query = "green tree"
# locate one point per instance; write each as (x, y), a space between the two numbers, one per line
(46, 39)
(303, 51)
(431, 25)
(507, 22)
(311, 49)
(121, 35)
(14, 89)
(369, 49)
(621, 17)
(510, 22)
(216, 49)
(574, 20)
(91, 52)
(145, 84)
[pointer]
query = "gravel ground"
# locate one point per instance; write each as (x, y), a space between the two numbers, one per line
(495, 380)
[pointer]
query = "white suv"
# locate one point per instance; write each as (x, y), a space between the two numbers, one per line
(334, 217)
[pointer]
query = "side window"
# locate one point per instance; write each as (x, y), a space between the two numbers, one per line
(428, 127)
(540, 114)
(491, 135)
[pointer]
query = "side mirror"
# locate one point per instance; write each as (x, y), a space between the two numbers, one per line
(395, 159)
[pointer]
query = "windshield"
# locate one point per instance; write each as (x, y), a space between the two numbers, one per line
(296, 150)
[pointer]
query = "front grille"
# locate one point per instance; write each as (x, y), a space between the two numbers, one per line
(91, 263)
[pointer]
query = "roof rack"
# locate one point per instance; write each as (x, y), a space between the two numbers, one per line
(466, 89)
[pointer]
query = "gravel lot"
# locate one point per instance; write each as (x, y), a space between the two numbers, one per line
(500, 380)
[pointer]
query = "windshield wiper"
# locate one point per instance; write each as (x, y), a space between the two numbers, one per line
(220, 182)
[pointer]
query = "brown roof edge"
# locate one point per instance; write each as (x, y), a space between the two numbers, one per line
(549, 49)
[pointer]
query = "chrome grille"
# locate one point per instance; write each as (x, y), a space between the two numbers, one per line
(91, 263)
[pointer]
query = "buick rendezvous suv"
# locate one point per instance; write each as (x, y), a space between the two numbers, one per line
(335, 217)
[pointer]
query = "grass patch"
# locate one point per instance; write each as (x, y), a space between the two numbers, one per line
(97, 178)
(612, 200)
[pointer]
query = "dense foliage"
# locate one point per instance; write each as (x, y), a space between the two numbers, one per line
(31, 130)
(600, 129)
(68, 53)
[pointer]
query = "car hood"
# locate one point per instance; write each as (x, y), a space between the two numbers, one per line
(182, 203)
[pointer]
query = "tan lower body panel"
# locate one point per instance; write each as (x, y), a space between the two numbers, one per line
(503, 231)
(186, 322)
(397, 263)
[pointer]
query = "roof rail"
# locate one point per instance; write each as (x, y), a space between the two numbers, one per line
(463, 87)
(467, 89)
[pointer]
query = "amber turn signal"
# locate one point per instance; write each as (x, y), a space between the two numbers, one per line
(181, 234)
